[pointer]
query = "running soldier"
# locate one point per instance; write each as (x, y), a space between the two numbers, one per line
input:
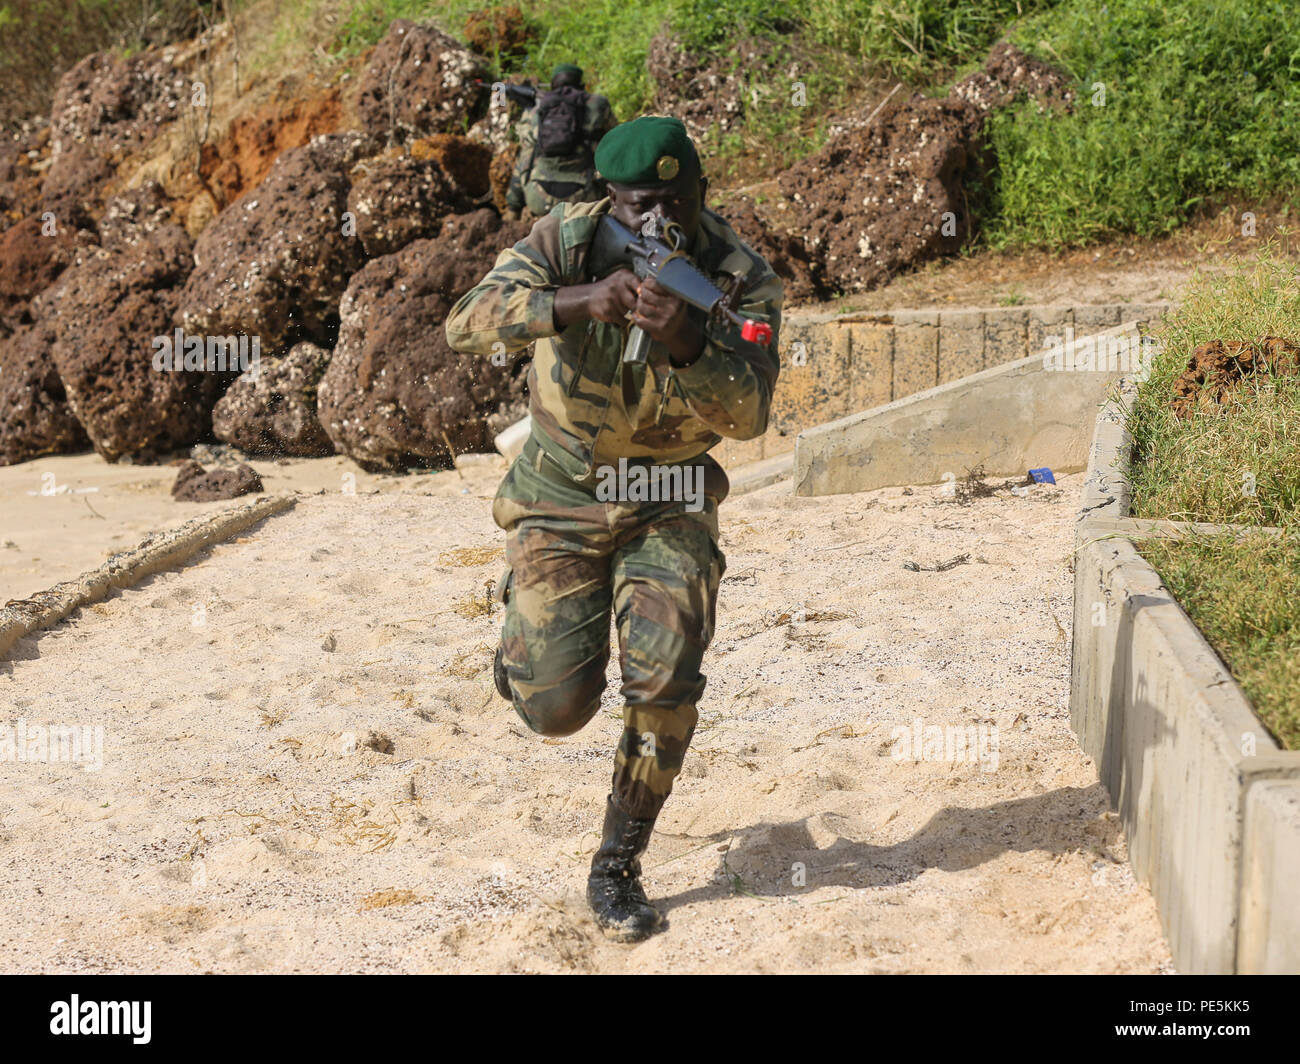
(573, 554)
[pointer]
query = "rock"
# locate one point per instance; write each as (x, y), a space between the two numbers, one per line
(500, 172)
(132, 216)
(274, 413)
(276, 261)
(398, 199)
(105, 109)
(31, 261)
(875, 200)
(73, 189)
(117, 105)
(1010, 75)
(888, 190)
(466, 162)
(785, 252)
(35, 418)
(394, 388)
(1217, 369)
(105, 313)
(20, 180)
(194, 484)
(420, 81)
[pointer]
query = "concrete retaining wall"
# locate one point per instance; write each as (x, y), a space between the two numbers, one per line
(1209, 802)
(853, 362)
(1269, 936)
(1036, 411)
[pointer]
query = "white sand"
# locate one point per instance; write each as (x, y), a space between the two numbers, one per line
(234, 827)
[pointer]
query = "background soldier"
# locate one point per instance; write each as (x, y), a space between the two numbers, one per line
(571, 558)
(557, 139)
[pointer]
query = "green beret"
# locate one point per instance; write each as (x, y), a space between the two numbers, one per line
(646, 151)
(567, 68)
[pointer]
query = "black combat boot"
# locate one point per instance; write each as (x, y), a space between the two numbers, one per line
(614, 886)
(500, 676)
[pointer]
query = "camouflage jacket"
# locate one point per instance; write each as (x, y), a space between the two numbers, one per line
(577, 168)
(588, 407)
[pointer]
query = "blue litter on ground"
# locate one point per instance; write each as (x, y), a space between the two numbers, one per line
(1042, 476)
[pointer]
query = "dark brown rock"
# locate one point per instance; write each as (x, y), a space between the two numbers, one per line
(784, 251)
(400, 198)
(274, 412)
(132, 216)
(73, 189)
(195, 484)
(420, 81)
(394, 388)
(35, 418)
(875, 200)
(31, 259)
(105, 109)
(1010, 75)
(20, 182)
(105, 313)
(275, 262)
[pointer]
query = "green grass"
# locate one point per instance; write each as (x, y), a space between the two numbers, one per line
(1241, 465)
(1197, 469)
(1241, 593)
(1201, 97)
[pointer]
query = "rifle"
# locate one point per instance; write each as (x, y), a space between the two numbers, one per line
(656, 252)
(524, 95)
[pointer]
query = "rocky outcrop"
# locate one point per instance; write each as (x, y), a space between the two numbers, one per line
(31, 259)
(20, 179)
(35, 418)
(1010, 75)
(273, 412)
(133, 216)
(275, 262)
(395, 394)
(105, 109)
(105, 313)
(195, 484)
(420, 81)
(889, 190)
(879, 199)
(399, 198)
(466, 163)
(785, 252)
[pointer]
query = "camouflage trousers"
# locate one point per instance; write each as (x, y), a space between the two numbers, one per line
(571, 559)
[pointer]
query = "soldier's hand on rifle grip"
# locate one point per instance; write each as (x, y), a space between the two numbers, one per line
(664, 317)
(606, 300)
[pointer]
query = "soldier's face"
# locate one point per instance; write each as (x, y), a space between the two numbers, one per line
(680, 201)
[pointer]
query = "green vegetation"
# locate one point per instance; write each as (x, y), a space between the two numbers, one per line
(1238, 464)
(1179, 103)
(1194, 469)
(40, 39)
(1196, 98)
(1241, 593)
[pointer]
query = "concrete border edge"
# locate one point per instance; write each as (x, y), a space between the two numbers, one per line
(158, 550)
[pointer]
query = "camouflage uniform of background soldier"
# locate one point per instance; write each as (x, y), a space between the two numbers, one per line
(571, 558)
(570, 123)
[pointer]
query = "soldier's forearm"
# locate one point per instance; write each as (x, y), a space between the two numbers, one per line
(572, 304)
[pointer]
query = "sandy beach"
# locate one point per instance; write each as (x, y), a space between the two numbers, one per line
(305, 766)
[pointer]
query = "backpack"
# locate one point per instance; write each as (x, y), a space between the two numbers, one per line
(560, 115)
